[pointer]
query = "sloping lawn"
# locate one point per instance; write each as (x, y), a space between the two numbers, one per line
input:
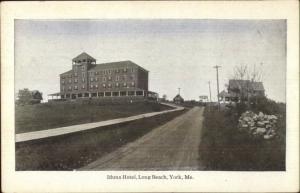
(68, 152)
(51, 115)
(223, 147)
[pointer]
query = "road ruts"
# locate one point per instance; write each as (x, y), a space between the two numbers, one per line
(172, 146)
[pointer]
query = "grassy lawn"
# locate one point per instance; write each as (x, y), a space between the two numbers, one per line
(52, 115)
(224, 147)
(76, 150)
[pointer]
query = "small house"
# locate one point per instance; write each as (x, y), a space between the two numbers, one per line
(178, 99)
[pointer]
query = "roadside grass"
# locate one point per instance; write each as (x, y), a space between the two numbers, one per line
(51, 115)
(223, 147)
(73, 151)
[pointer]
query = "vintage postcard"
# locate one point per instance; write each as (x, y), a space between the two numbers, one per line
(152, 96)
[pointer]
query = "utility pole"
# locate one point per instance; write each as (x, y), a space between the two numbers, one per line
(217, 69)
(209, 91)
(179, 91)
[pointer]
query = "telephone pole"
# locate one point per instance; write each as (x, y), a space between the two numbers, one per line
(217, 69)
(209, 91)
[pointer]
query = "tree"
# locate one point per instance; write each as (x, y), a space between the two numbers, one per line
(246, 76)
(26, 96)
(164, 97)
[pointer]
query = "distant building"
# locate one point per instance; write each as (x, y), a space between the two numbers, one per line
(242, 89)
(178, 99)
(87, 79)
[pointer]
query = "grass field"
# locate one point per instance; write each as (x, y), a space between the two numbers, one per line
(223, 147)
(76, 150)
(51, 115)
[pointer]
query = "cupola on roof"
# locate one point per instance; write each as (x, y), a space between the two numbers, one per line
(83, 57)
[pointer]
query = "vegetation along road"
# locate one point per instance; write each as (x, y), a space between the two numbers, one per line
(172, 146)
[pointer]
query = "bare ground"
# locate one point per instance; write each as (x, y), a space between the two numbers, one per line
(172, 146)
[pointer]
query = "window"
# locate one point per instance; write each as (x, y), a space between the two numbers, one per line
(130, 93)
(117, 70)
(124, 84)
(96, 79)
(63, 81)
(91, 86)
(96, 86)
(92, 79)
(124, 77)
(115, 93)
(104, 79)
(123, 93)
(83, 60)
(107, 93)
(70, 80)
(75, 87)
(139, 93)
(83, 86)
(132, 69)
(117, 84)
(75, 80)
(83, 80)
(96, 72)
(117, 78)
(82, 68)
(109, 71)
(109, 85)
(104, 85)
(101, 94)
(83, 75)
(132, 84)
(75, 74)
(63, 88)
(132, 77)
(109, 78)
(125, 70)
(70, 88)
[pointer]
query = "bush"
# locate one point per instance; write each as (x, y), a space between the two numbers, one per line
(224, 147)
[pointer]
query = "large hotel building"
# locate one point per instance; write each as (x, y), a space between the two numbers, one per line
(115, 79)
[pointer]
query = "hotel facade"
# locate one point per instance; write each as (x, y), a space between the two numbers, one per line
(87, 79)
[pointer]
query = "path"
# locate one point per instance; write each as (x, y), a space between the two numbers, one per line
(21, 137)
(172, 146)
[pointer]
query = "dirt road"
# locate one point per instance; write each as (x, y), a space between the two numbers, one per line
(172, 146)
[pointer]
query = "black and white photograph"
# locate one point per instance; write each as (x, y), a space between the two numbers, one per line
(163, 94)
(161, 99)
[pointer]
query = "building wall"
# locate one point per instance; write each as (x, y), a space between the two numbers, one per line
(142, 81)
(81, 80)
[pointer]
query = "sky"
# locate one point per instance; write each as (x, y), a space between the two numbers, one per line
(179, 53)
